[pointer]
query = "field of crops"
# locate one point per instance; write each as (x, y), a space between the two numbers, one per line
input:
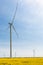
(21, 61)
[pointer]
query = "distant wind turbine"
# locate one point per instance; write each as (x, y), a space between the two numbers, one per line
(33, 52)
(11, 26)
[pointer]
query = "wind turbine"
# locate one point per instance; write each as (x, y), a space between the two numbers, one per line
(12, 26)
(33, 52)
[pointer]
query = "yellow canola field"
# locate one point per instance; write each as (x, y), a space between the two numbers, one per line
(21, 61)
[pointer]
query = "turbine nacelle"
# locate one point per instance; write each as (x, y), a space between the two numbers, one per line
(10, 23)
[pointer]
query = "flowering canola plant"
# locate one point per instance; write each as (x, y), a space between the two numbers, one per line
(21, 61)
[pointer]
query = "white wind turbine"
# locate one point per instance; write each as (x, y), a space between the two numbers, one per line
(12, 26)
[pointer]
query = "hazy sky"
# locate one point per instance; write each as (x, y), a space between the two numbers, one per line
(28, 23)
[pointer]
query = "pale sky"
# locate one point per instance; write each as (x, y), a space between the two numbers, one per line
(28, 23)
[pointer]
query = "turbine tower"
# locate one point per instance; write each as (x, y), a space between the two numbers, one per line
(33, 52)
(11, 26)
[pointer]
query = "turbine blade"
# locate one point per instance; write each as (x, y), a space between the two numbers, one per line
(15, 13)
(15, 31)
